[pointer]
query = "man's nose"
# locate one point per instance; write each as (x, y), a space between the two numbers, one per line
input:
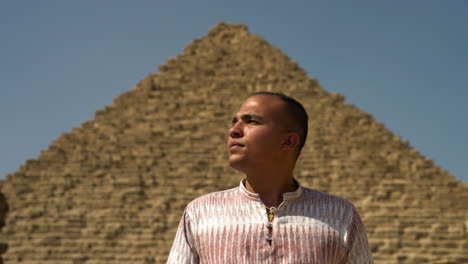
(236, 130)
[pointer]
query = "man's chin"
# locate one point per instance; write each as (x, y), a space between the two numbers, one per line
(237, 164)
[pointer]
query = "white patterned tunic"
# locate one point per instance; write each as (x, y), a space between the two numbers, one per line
(232, 226)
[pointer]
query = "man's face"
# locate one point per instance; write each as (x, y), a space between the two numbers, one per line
(257, 133)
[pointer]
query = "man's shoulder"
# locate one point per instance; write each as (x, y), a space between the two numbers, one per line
(214, 198)
(323, 197)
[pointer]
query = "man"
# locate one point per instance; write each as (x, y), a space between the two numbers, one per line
(270, 217)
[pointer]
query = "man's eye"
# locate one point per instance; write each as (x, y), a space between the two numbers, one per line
(253, 122)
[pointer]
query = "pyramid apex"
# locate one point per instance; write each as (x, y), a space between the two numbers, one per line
(228, 27)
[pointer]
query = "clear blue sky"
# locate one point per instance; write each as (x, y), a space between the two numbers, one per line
(404, 62)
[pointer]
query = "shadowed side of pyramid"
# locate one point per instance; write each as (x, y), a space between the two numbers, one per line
(113, 190)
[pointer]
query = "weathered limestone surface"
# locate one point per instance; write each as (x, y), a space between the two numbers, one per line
(113, 189)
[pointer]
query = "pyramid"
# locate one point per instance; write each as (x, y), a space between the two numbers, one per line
(113, 190)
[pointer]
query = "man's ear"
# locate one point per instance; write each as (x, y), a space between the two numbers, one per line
(291, 141)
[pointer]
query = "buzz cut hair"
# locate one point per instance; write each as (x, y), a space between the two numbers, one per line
(296, 113)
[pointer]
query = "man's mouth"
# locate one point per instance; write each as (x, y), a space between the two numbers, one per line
(235, 144)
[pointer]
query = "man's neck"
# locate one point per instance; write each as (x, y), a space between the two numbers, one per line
(271, 187)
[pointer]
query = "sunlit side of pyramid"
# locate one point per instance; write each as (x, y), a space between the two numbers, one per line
(113, 190)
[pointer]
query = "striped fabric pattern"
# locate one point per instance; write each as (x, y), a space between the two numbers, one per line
(232, 227)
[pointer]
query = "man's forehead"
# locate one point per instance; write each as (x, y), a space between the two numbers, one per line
(262, 105)
(248, 115)
(251, 108)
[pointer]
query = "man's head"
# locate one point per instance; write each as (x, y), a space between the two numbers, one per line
(269, 128)
(296, 115)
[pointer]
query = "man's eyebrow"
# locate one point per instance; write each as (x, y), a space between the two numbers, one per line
(247, 116)
(251, 116)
